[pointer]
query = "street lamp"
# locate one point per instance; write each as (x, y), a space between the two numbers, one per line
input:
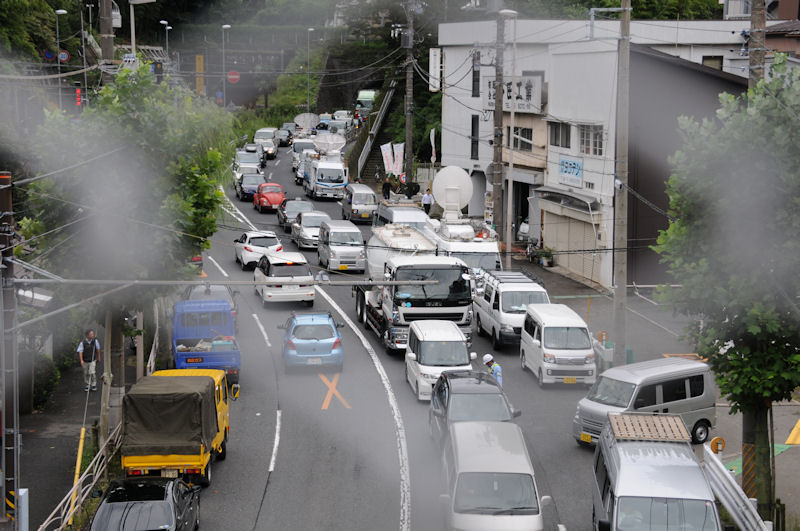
(133, 24)
(510, 13)
(167, 27)
(224, 73)
(308, 69)
(58, 54)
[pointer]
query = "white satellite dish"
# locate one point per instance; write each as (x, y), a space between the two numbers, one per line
(452, 189)
(307, 120)
(328, 143)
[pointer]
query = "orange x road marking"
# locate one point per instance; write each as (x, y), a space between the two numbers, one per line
(332, 391)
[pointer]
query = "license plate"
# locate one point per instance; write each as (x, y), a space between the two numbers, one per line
(343, 267)
(365, 215)
(314, 361)
(570, 379)
(169, 473)
(194, 360)
(585, 437)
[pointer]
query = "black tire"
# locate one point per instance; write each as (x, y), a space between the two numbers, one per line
(496, 343)
(540, 379)
(360, 310)
(205, 479)
(244, 266)
(479, 331)
(310, 303)
(700, 431)
(522, 360)
(223, 451)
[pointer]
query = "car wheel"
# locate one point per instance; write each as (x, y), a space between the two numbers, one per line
(360, 310)
(223, 451)
(540, 379)
(235, 257)
(522, 360)
(496, 343)
(344, 216)
(479, 331)
(700, 432)
(263, 300)
(205, 480)
(243, 264)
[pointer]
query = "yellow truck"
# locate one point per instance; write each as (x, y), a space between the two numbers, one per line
(175, 423)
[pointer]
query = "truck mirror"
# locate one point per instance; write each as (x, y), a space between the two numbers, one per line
(437, 413)
(412, 356)
(546, 500)
(235, 391)
(536, 343)
(387, 276)
(514, 414)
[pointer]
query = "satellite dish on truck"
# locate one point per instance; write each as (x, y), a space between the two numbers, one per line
(452, 189)
(329, 143)
(307, 121)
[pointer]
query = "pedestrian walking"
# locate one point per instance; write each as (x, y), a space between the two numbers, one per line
(386, 188)
(427, 201)
(89, 354)
(494, 368)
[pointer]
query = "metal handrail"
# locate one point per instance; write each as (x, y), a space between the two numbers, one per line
(151, 360)
(65, 510)
(373, 132)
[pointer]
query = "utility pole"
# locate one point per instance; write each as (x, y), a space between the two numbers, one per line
(758, 45)
(408, 43)
(620, 186)
(8, 360)
(106, 31)
(498, 217)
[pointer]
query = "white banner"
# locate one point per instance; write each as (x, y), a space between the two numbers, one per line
(435, 68)
(398, 158)
(433, 146)
(388, 161)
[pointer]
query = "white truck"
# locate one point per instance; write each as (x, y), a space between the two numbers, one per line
(400, 253)
(325, 177)
(468, 240)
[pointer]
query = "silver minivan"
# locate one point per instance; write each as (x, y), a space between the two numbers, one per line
(670, 385)
(489, 479)
(359, 203)
(341, 246)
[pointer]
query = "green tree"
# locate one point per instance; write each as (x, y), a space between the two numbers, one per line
(735, 249)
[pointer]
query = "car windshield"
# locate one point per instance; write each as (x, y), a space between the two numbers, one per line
(443, 353)
(290, 270)
(313, 221)
(210, 293)
(314, 331)
(478, 406)
(269, 144)
(252, 179)
(295, 207)
(611, 392)
(283, 134)
(346, 238)
(156, 514)
(567, 338)
(516, 301)
(329, 175)
(264, 241)
(486, 261)
(644, 514)
(495, 493)
(451, 285)
(363, 199)
(271, 190)
(300, 146)
(263, 135)
(247, 157)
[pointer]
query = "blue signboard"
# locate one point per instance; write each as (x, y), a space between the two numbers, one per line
(570, 171)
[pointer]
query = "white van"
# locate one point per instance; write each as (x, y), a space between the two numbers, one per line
(359, 203)
(433, 347)
(284, 266)
(556, 345)
(489, 478)
(341, 246)
(400, 214)
(670, 385)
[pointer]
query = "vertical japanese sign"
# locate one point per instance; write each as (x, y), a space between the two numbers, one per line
(388, 160)
(433, 146)
(399, 152)
(435, 69)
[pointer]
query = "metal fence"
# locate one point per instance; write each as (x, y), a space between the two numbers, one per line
(376, 126)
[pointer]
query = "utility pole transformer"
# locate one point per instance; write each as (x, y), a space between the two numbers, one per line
(498, 217)
(621, 186)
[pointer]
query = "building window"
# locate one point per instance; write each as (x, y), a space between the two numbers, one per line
(592, 140)
(523, 138)
(713, 61)
(476, 74)
(588, 185)
(559, 134)
(474, 136)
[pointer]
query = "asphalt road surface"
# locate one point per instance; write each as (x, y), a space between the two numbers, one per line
(351, 450)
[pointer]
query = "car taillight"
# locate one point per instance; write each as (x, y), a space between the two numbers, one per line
(192, 470)
(280, 248)
(337, 343)
(233, 314)
(290, 344)
(134, 472)
(197, 258)
(248, 248)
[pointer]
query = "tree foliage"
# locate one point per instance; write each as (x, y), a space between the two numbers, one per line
(735, 246)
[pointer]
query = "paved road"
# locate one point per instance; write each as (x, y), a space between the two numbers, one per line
(340, 467)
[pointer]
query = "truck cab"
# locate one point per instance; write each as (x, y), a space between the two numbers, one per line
(326, 177)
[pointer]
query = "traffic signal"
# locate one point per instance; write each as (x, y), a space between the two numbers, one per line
(78, 97)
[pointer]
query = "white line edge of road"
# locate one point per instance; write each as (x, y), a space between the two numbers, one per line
(263, 331)
(277, 440)
(277, 162)
(224, 274)
(245, 218)
(399, 427)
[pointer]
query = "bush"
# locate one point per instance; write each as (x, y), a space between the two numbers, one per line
(45, 378)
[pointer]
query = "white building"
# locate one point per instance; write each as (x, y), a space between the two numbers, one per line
(565, 89)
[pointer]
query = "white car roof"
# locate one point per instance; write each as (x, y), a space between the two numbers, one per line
(286, 257)
(253, 233)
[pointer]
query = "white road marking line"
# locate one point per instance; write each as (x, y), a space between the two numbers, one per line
(399, 428)
(218, 266)
(244, 218)
(270, 176)
(233, 214)
(277, 162)
(277, 440)
(261, 327)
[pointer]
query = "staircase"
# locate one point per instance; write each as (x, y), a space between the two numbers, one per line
(375, 160)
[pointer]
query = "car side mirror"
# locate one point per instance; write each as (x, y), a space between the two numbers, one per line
(444, 499)
(235, 391)
(546, 500)
(537, 343)
(473, 355)
(516, 413)
(437, 413)
(412, 356)
(387, 276)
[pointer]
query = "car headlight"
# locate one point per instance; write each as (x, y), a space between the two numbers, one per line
(333, 253)
(361, 254)
(507, 329)
(589, 359)
(428, 377)
(549, 358)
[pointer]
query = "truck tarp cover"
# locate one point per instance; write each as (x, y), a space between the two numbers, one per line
(166, 415)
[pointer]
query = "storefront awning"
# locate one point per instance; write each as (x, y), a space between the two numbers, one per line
(567, 198)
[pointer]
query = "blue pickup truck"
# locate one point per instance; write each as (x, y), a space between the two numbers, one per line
(203, 337)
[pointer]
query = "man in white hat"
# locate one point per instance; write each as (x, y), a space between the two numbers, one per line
(494, 368)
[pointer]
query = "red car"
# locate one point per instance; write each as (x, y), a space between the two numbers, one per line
(269, 196)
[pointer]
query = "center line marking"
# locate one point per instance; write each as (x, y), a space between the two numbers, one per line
(277, 162)
(211, 258)
(261, 327)
(277, 440)
(332, 391)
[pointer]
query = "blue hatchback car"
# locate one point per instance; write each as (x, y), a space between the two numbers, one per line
(312, 339)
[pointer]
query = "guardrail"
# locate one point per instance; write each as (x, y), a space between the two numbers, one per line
(376, 126)
(151, 361)
(97, 468)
